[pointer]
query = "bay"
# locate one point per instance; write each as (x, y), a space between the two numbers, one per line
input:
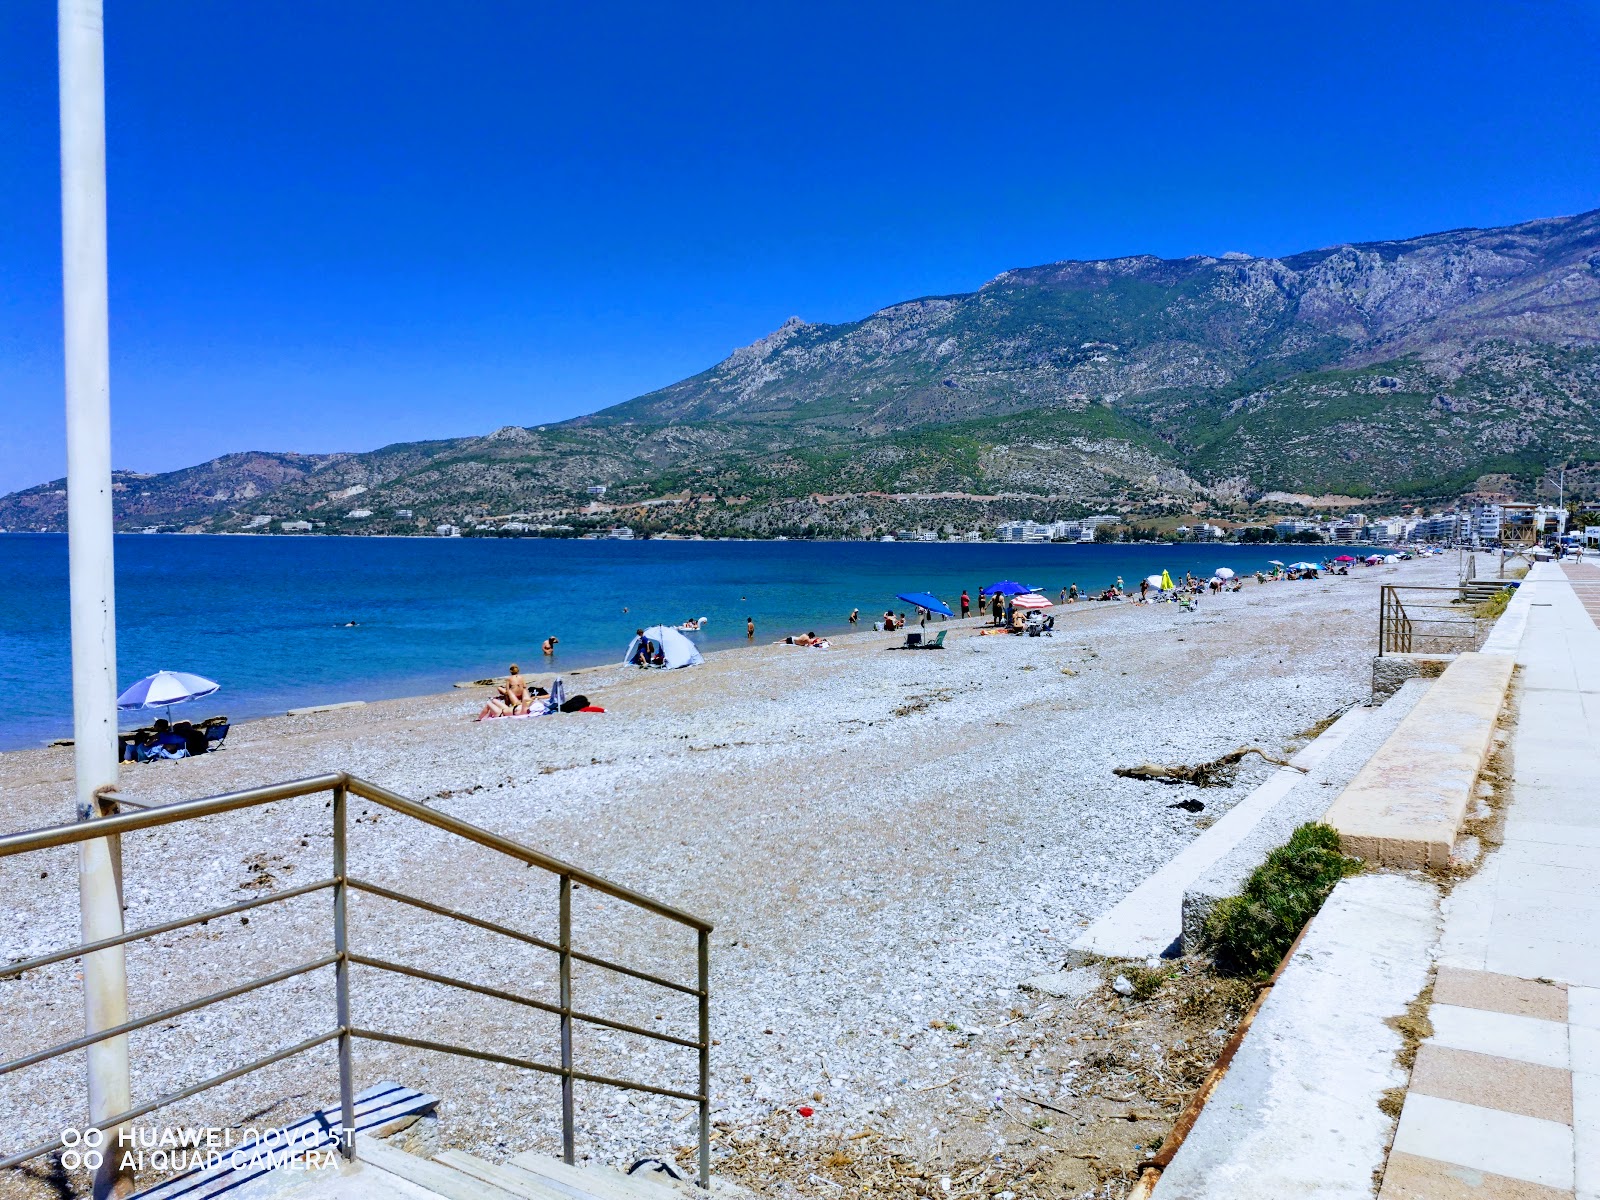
(268, 617)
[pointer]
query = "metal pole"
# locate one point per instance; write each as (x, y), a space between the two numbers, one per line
(86, 341)
(704, 959)
(564, 940)
(341, 979)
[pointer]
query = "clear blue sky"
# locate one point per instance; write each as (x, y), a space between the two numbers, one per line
(339, 225)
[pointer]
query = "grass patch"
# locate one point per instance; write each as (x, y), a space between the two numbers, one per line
(1250, 933)
(1491, 608)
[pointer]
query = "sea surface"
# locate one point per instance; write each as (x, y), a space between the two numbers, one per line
(267, 616)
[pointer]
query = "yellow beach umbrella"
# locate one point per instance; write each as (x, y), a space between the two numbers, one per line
(1166, 582)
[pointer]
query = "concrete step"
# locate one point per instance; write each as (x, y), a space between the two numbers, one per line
(580, 1183)
(379, 1110)
(436, 1177)
(512, 1179)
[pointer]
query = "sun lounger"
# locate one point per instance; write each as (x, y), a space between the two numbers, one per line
(936, 644)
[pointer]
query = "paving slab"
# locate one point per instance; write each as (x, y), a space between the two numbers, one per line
(1504, 1101)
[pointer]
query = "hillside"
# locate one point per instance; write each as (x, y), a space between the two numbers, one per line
(1402, 368)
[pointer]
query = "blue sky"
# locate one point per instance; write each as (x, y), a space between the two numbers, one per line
(335, 226)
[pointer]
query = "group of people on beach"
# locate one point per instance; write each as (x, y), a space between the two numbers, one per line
(514, 697)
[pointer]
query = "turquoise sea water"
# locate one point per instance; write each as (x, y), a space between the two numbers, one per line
(265, 616)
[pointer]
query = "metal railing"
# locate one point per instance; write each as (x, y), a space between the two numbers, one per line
(345, 1032)
(1408, 624)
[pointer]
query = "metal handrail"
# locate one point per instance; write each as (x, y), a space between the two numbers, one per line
(342, 785)
(1399, 629)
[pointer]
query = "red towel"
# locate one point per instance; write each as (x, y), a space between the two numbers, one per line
(592, 708)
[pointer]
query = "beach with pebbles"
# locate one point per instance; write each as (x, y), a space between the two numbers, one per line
(888, 843)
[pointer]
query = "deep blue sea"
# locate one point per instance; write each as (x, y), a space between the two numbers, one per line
(265, 616)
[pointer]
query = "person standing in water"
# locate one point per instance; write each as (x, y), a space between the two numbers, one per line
(550, 646)
(855, 616)
(750, 629)
(966, 604)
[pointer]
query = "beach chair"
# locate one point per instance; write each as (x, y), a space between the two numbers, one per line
(1186, 603)
(936, 644)
(215, 735)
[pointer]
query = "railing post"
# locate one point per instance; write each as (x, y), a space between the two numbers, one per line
(341, 978)
(705, 1057)
(565, 942)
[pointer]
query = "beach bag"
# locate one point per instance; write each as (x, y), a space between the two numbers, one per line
(576, 703)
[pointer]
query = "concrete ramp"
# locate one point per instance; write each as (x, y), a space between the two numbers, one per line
(1407, 804)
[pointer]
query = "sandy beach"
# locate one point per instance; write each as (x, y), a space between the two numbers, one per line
(888, 843)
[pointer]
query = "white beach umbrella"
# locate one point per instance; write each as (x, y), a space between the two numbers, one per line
(166, 688)
(1223, 572)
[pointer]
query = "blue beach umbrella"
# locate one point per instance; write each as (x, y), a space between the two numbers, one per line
(1006, 587)
(166, 688)
(925, 600)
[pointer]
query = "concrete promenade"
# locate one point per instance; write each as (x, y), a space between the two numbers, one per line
(1504, 1099)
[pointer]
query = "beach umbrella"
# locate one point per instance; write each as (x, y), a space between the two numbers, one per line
(1345, 558)
(1223, 572)
(1030, 601)
(1153, 580)
(1166, 582)
(925, 600)
(1006, 587)
(1277, 562)
(1304, 566)
(166, 688)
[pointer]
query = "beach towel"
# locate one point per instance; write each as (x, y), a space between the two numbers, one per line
(556, 699)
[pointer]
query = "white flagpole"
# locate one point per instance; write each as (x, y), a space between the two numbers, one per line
(89, 541)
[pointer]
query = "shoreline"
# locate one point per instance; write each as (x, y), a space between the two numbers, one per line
(388, 657)
(883, 840)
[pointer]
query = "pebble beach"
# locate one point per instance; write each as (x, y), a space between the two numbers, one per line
(888, 843)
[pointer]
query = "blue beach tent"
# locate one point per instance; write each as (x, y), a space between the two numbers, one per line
(676, 650)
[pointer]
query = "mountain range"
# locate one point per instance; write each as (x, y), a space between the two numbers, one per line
(1392, 370)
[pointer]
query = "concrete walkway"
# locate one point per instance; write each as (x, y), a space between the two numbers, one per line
(1504, 1100)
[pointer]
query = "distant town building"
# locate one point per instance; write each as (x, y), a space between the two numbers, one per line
(1023, 531)
(447, 531)
(358, 514)
(295, 526)
(596, 490)
(620, 534)
(402, 514)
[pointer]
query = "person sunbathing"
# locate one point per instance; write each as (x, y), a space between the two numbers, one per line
(517, 694)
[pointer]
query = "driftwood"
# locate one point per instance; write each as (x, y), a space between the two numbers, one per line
(1219, 772)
